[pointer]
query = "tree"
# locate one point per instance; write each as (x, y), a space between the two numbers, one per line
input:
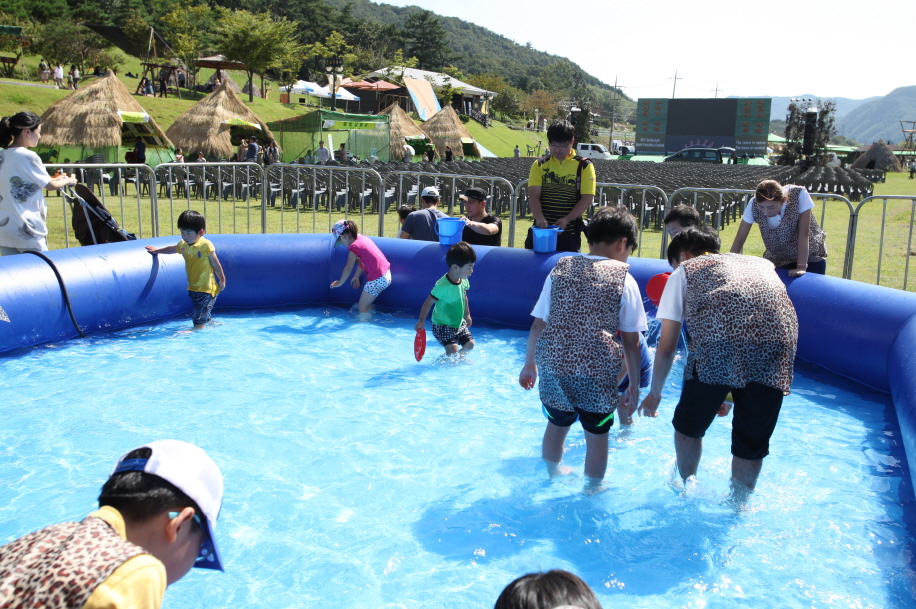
(426, 40)
(394, 67)
(373, 44)
(795, 131)
(508, 100)
(187, 29)
(69, 43)
(580, 96)
(542, 102)
(258, 41)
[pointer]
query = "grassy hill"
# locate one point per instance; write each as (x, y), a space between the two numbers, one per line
(14, 97)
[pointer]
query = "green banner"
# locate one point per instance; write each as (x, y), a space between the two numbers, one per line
(651, 125)
(752, 125)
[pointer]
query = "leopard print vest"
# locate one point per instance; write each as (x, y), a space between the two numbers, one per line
(580, 337)
(61, 565)
(743, 326)
(782, 242)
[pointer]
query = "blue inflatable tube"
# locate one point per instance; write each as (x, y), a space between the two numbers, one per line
(864, 332)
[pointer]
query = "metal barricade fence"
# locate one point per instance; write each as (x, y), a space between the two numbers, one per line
(651, 202)
(724, 205)
(854, 234)
(339, 188)
(110, 181)
(220, 185)
(405, 187)
(717, 206)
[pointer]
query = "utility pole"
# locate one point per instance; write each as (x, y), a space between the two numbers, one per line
(717, 91)
(610, 142)
(675, 83)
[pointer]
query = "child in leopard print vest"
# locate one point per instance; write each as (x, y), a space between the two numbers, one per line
(790, 232)
(156, 518)
(743, 335)
(573, 346)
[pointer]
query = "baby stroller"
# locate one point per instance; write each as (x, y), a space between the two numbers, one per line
(91, 222)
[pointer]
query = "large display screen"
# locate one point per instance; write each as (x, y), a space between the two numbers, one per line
(665, 126)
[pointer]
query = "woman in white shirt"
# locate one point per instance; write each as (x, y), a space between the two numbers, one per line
(791, 234)
(23, 177)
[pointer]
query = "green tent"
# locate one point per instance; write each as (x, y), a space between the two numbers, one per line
(364, 135)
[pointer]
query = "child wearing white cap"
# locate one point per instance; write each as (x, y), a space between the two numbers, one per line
(156, 519)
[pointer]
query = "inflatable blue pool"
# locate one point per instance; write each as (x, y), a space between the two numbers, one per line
(864, 332)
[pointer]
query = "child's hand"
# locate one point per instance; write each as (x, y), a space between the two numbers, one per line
(467, 319)
(724, 409)
(355, 282)
(419, 325)
(222, 286)
(151, 250)
(629, 405)
(649, 406)
(528, 376)
(336, 284)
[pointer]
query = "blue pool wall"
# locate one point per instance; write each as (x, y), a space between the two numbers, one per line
(864, 332)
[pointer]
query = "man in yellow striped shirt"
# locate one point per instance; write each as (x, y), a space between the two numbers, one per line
(561, 187)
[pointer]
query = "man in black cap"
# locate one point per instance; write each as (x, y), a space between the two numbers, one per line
(481, 228)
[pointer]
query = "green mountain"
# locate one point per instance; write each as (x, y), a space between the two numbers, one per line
(481, 50)
(880, 118)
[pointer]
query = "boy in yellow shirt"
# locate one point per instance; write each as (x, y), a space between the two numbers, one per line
(201, 264)
(156, 519)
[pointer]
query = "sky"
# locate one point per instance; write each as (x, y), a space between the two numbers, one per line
(746, 48)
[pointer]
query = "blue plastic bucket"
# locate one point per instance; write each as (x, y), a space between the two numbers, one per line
(451, 229)
(545, 239)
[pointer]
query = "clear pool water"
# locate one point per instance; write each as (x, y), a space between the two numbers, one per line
(358, 478)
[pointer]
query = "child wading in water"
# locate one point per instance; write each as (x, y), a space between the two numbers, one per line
(572, 346)
(369, 257)
(452, 316)
(201, 265)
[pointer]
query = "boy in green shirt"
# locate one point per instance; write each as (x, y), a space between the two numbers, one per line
(452, 316)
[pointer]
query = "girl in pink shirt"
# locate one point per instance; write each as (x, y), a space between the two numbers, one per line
(369, 258)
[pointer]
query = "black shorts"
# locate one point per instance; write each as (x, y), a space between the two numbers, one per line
(447, 335)
(754, 416)
(592, 422)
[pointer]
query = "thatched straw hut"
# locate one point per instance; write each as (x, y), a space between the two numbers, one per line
(878, 156)
(446, 129)
(216, 124)
(101, 118)
(403, 130)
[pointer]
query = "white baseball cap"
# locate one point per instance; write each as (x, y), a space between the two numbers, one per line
(430, 191)
(195, 474)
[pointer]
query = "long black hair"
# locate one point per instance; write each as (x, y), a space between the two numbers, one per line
(12, 126)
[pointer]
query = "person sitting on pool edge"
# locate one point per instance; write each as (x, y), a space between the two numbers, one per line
(681, 217)
(573, 346)
(201, 265)
(452, 315)
(156, 519)
(369, 258)
(551, 590)
(743, 335)
(791, 234)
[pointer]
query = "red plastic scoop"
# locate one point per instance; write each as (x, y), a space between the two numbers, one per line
(656, 286)
(419, 344)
